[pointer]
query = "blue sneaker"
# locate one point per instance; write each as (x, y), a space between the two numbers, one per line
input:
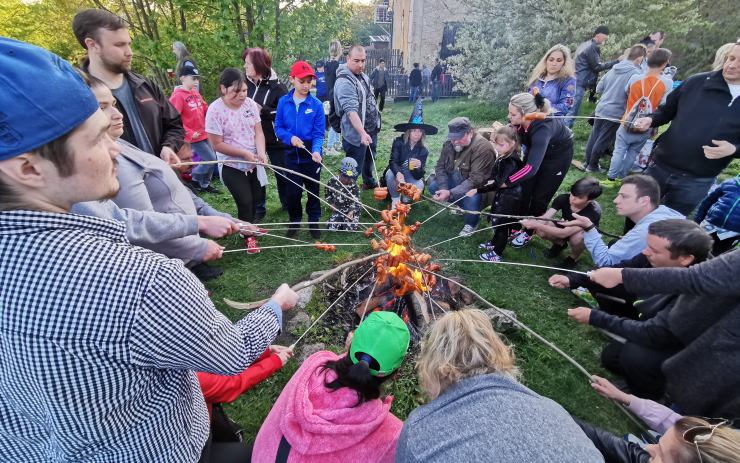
(490, 256)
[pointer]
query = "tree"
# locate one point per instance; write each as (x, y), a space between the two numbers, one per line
(504, 41)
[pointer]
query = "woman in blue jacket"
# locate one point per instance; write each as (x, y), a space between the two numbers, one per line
(554, 77)
(719, 215)
(300, 125)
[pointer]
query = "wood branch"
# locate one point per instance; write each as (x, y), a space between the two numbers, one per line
(303, 284)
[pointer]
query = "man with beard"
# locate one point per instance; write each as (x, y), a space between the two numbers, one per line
(151, 122)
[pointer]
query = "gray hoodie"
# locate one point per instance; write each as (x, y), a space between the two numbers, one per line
(493, 418)
(613, 88)
(346, 91)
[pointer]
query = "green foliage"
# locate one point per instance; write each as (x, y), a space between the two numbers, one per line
(504, 40)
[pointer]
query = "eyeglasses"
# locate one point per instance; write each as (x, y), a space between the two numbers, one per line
(702, 434)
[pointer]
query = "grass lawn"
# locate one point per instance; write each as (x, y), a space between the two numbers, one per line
(523, 290)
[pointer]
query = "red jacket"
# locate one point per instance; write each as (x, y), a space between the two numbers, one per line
(220, 388)
(192, 108)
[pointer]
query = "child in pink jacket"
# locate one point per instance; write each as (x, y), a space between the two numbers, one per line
(331, 411)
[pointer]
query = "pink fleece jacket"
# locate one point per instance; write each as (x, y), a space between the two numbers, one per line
(325, 426)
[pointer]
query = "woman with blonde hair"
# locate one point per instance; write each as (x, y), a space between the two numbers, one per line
(554, 78)
(334, 142)
(721, 55)
(478, 409)
(548, 150)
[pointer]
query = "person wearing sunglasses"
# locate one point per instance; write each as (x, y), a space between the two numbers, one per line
(689, 440)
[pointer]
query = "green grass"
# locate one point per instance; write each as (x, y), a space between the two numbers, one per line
(523, 290)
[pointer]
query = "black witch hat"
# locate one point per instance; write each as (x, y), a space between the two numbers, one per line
(417, 121)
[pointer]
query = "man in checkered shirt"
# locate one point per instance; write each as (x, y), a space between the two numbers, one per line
(99, 339)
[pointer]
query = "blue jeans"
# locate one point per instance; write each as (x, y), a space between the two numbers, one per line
(626, 149)
(680, 191)
(390, 181)
(577, 99)
(364, 159)
(414, 93)
(436, 89)
(469, 204)
(203, 173)
(334, 138)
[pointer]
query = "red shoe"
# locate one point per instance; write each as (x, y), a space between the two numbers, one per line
(250, 242)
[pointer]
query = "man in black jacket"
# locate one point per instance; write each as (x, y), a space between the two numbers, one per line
(670, 243)
(588, 67)
(436, 79)
(700, 317)
(151, 123)
(704, 135)
(414, 83)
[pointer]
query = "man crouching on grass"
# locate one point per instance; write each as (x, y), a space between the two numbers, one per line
(99, 338)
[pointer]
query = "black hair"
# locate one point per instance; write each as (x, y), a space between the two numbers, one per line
(416, 65)
(586, 186)
(230, 77)
(645, 186)
(685, 237)
(356, 376)
(87, 23)
(381, 61)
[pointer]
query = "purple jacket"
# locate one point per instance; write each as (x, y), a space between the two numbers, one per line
(559, 92)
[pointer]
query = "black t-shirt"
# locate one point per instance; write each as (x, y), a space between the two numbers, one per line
(592, 210)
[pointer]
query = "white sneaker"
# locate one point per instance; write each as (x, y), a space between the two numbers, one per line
(520, 240)
(467, 230)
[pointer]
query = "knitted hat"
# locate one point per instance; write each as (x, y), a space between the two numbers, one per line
(31, 114)
(384, 337)
(348, 167)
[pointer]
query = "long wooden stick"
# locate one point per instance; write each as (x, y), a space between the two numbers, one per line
(520, 264)
(264, 164)
(540, 338)
(343, 185)
(305, 284)
(330, 306)
(296, 246)
(489, 214)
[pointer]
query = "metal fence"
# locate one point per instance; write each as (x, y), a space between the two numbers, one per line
(398, 79)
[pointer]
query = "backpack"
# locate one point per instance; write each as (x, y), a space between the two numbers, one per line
(643, 107)
(335, 118)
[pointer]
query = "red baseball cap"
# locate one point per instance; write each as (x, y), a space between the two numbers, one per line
(301, 70)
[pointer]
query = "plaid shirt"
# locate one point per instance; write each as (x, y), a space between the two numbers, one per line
(98, 343)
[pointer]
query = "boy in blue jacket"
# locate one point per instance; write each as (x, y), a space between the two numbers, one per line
(300, 124)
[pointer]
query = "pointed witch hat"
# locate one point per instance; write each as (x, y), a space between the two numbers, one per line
(417, 121)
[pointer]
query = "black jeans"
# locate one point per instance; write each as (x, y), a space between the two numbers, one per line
(226, 452)
(379, 94)
(538, 191)
(295, 191)
(600, 141)
(244, 188)
(364, 157)
(680, 191)
(639, 366)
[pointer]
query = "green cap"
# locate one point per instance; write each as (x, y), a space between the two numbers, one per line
(384, 337)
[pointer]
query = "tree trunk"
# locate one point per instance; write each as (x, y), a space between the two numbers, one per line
(238, 19)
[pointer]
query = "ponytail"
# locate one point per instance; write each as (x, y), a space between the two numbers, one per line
(356, 376)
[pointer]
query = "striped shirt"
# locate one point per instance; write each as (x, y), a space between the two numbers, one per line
(98, 343)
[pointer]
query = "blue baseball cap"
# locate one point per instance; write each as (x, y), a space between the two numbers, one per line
(42, 98)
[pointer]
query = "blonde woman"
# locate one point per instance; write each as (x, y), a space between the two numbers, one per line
(555, 78)
(721, 55)
(478, 409)
(334, 142)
